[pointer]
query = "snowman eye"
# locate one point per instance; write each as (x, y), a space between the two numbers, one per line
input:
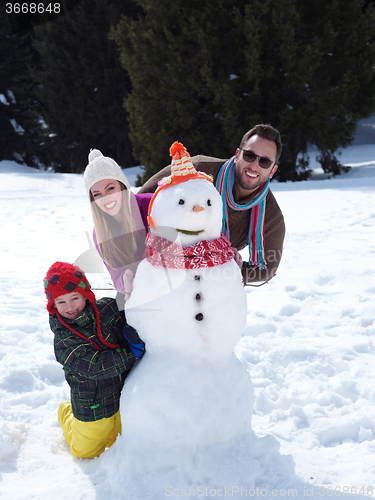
(181, 201)
(209, 203)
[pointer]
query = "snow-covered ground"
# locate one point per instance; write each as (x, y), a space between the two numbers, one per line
(308, 344)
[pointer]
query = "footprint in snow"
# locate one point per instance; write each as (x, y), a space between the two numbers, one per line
(289, 310)
(295, 293)
(325, 280)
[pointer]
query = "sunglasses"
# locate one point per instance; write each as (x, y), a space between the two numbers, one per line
(250, 156)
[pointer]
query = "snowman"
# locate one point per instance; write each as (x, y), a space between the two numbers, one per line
(189, 307)
(189, 393)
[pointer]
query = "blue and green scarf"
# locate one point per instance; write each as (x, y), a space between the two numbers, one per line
(224, 184)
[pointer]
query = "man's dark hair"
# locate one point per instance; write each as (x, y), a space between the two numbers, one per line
(266, 132)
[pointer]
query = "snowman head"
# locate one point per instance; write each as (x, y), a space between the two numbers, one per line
(186, 207)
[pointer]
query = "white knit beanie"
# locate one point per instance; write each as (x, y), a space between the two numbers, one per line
(102, 167)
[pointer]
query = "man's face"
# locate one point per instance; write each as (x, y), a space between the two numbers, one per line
(249, 176)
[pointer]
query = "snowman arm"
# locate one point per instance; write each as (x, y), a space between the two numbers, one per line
(117, 278)
(151, 185)
(128, 278)
(207, 164)
(238, 258)
(251, 274)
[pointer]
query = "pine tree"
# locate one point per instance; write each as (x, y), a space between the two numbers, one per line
(326, 79)
(316, 77)
(206, 72)
(343, 88)
(21, 132)
(180, 56)
(82, 86)
(8, 135)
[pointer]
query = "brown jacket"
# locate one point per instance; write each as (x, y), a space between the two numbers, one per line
(274, 227)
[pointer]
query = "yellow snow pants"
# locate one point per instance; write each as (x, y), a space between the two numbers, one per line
(88, 439)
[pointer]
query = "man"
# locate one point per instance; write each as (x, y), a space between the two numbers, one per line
(251, 215)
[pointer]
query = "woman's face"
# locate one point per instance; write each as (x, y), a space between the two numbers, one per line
(107, 195)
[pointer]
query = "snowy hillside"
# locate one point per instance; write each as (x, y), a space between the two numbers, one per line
(308, 344)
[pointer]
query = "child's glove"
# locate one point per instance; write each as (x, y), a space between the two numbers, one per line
(136, 344)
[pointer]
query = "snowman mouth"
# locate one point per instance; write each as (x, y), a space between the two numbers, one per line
(192, 233)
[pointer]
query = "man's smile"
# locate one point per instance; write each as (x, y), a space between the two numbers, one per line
(251, 174)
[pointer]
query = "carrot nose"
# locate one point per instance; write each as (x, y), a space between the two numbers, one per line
(197, 208)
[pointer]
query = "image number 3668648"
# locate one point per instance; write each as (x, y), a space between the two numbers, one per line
(26, 15)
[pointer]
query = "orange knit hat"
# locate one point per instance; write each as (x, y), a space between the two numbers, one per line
(182, 170)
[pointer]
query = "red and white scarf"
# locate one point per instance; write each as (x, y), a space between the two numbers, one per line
(162, 252)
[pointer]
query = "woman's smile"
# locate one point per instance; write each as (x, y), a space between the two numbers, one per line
(107, 194)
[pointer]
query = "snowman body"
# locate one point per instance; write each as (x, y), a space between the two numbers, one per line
(189, 389)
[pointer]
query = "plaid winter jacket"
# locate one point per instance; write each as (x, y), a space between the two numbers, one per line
(95, 378)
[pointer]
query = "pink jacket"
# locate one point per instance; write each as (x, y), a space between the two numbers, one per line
(140, 201)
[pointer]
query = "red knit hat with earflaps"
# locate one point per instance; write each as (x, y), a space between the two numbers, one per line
(63, 278)
(182, 170)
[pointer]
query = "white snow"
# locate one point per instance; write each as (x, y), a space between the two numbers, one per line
(308, 344)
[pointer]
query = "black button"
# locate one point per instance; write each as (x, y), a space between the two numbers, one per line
(199, 317)
(198, 296)
(197, 277)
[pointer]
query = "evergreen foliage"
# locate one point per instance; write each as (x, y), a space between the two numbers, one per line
(199, 72)
(20, 126)
(81, 86)
(8, 134)
(180, 75)
(206, 72)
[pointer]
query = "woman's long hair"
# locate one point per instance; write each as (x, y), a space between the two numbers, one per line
(115, 239)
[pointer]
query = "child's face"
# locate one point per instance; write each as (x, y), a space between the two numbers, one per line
(70, 305)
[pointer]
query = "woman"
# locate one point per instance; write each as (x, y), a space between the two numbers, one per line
(120, 219)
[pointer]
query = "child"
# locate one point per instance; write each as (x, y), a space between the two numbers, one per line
(90, 344)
